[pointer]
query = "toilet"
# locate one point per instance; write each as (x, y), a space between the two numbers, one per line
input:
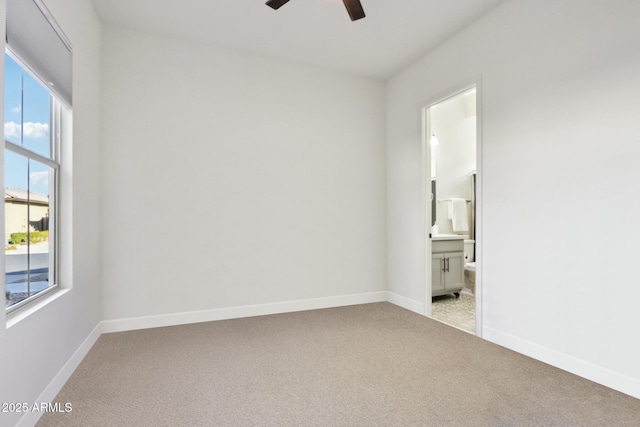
(469, 266)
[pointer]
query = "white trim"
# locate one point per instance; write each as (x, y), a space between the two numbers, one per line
(579, 367)
(427, 226)
(404, 302)
(51, 391)
(172, 319)
(479, 217)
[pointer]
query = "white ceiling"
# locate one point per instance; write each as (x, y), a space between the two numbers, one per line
(394, 33)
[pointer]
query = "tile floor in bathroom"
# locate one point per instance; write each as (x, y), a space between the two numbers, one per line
(458, 312)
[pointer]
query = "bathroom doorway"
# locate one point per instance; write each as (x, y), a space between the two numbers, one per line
(452, 244)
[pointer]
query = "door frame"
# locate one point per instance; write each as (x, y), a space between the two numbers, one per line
(426, 200)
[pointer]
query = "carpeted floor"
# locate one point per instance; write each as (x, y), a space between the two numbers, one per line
(367, 365)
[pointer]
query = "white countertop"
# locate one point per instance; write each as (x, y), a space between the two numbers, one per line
(449, 237)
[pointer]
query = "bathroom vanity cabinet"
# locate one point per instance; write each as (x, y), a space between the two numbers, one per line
(447, 266)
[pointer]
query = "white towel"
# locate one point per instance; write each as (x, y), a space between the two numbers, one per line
(458, 215)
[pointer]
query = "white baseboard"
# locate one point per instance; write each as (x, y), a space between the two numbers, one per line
(51, 391)
(172, 319)
(404, 302)
(584, 369)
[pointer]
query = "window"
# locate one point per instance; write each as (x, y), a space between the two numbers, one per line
(30, 176)
(37, 84)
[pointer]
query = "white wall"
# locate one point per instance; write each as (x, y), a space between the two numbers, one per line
(232, 179)
(35, 349)
(560, 143)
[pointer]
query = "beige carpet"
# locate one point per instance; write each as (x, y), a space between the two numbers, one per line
(367, 365)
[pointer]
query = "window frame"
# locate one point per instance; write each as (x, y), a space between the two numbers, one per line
(54, 163)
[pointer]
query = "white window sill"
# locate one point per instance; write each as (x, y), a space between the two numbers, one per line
(22, 313)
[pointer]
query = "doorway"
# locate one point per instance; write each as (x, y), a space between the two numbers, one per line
(452, 210)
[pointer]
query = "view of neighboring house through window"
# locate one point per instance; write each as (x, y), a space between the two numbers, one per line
(30, 173)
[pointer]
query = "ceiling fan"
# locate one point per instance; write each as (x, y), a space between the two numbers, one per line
(353, 7)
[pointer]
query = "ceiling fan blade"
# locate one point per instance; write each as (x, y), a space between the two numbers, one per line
(355, 9)
(275, 4)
